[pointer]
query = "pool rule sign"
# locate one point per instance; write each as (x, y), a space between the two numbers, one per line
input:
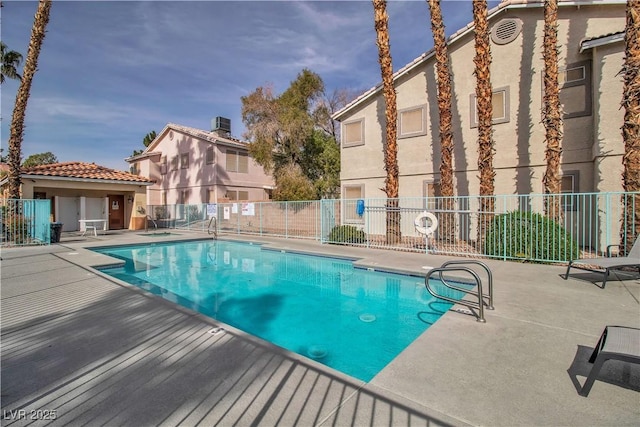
(212, 210)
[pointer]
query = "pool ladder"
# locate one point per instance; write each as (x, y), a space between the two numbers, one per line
(213, 221)
(483, 300)
(146, 224)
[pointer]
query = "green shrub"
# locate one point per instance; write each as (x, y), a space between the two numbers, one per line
(17, 228)
(347, 234)
(529, 236)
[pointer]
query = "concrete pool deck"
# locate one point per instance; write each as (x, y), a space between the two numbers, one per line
(87, 349)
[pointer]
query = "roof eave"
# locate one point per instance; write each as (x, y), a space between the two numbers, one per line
(92, 180)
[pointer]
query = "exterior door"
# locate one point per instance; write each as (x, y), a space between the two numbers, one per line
(116, 212)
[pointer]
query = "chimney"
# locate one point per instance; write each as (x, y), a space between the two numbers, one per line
(221, 126)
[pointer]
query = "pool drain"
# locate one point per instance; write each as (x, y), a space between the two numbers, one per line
(367, 318)
(317, 352)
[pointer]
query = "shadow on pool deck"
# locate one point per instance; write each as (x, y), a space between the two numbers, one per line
(100, 352)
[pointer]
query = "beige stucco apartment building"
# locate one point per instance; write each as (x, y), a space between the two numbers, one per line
(591, 53)
(193, 166)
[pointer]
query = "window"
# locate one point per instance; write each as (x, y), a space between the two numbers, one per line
(500, 104)
(351, 194)
(237, 195)
(210, 155)
(569, 185)
(575, 90)
(184, 197)
(163, 165)
(184, 160)
(353, 133)
(432, 192)
(237, 161)
(174, 163)
(412, 122)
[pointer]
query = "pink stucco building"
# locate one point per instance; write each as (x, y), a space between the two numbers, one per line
(193, 166)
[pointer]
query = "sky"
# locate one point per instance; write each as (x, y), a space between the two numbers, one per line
(109, 72)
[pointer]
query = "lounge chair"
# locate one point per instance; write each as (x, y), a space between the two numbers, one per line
(610, 263)
(615, 343)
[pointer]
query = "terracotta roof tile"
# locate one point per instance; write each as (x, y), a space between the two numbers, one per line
(83, 171)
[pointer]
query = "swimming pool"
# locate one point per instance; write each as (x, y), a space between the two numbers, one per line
(353, 320)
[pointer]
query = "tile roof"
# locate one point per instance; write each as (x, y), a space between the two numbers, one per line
(81, 170)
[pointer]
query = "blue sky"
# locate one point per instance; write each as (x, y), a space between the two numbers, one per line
(110, 72)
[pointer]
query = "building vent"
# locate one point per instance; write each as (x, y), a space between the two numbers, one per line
(221, 125)
(506, 31)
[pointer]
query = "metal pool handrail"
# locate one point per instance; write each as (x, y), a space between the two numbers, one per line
(146, 224)
(213, 221)
(489, 295)
(480, 304)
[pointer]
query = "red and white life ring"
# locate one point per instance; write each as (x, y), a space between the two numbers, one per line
(428, 229)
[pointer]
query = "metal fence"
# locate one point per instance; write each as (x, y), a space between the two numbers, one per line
(25, 222)
(515, 227)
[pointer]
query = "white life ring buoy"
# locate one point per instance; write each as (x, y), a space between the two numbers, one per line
(430, 229)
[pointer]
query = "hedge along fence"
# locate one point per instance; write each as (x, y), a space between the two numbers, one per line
(529, 236)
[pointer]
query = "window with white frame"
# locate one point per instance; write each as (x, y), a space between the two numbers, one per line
(353, 133)
(575, 90)
(184, 160)
(431, 191)
(163, 165)
(184, 197)
(210, 155)
(237, 161)
(569, 186)
(237, 195)
(351, 195)
(412, 122)
(499, 104)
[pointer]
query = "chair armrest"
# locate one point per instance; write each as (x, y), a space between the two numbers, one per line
(609, 250)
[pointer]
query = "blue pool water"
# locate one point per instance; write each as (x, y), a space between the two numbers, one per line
(353, 320)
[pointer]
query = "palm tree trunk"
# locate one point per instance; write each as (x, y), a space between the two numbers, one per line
(551, 115)
(447, 220)
(391, 114)
(40, 22)
(484, 95)
(631, 127)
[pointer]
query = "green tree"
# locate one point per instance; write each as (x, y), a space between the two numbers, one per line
(294, 138)
(40, 21)
(11, 60)
(40, 159)
(148, 139)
